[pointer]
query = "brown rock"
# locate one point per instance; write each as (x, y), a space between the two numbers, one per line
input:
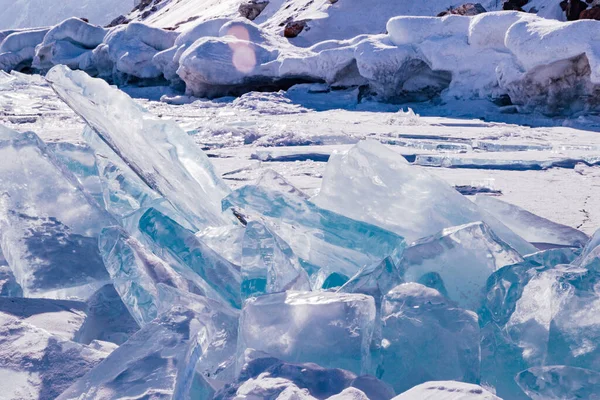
(592, 13)
(293, 28)
(120, 20)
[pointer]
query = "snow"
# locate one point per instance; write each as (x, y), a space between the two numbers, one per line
(446, 390)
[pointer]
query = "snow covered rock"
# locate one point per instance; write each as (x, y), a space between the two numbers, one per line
(447, 390)
(374, 184)
(72, 43)
(49, 225)
(132, 47)
(295, 326)
(457, 262)
(426, 337)
(530, 227)
(18, 49)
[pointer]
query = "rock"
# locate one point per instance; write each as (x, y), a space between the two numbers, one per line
(120, 20)
(591, 13)
(465, 9)
(252, 9)
(516, 5)
(293, 28)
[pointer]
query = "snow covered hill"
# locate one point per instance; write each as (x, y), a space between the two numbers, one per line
(38, 13)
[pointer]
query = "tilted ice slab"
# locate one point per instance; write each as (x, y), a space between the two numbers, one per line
(457, 262)
(268, 263)
(447, 390)
(426, 337)
(559, 382)
(222, 278)
(324, 241)
(135, 272)
(49, 226)
(529, 226)
(158, 151)
(374, 184)
(35, 364)
(297, 327)
(159, 360)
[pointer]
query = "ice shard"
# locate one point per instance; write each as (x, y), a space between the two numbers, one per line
(35, 364)
(458, 261)
(559, 382)
(537, 230)
(374, 184)
(298, 327)
(268, 264)
(427, 337)
(135, 272)
(323, 240)
(217, 363)
(48, 224)
(158, 151)
(221, 275)
(157, 362)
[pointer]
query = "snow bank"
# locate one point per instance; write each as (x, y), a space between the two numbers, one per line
(540, 64)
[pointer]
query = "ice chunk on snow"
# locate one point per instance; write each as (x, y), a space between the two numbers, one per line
(529, 226)
(447, 390)
(457, 262)
(374, 184)
(559, 382)
(220, 275)
(48, 225)
(322, 239)
(299, 327)
(158, 151)
(159, 360)
(268, 264)
(374, 280)
(350, 393)
(35, 364)
(425, 337)
(218, 360)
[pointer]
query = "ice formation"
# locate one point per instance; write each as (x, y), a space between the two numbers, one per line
(133, 270)
(427, 337)
(416, 203)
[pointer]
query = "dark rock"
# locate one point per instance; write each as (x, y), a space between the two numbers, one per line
(465, 9)
(120, 20)
(515, 5)
(293, 28)
(252, 9)
(573, 8)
